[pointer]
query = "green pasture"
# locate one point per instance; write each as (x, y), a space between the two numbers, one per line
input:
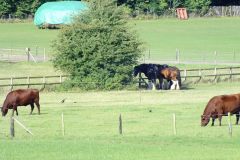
(91, 126)
(91, 118)
(27, 69)
(197, 38)
(22, 35)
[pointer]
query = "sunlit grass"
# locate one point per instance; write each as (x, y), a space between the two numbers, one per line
(91, 126)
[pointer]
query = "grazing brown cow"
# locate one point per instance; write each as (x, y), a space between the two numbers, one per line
(219, 106)
(21, 97)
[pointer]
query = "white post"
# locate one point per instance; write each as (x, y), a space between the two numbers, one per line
(27, 53)
(60, 80)
(229, 124)
(44, 79)
(185, 74)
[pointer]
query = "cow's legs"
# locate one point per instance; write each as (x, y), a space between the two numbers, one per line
(16, 111)
(32, 107)
(38, 106)
(237, 118)
(220, 120)
(213, 119)
(15, 108)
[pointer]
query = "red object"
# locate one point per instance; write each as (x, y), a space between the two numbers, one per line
(182, 13)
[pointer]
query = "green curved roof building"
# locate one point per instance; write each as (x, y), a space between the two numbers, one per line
(60, 12)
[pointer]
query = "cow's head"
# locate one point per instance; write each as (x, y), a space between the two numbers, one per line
(4, 111)
(205, 120)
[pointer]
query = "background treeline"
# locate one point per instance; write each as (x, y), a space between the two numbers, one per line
(24, 8)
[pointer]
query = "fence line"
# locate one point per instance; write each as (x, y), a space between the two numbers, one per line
(26, 80)
(154, 56)
(120, 126)
(224, 11)
(192, 57)
(230, 72)
(36, 54)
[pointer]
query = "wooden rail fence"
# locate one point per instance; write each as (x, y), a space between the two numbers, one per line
(32, 80)
(186, 74)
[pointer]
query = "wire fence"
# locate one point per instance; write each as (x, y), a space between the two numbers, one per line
(36, 54)
(39, 54)
(191, 57)
(126, 123)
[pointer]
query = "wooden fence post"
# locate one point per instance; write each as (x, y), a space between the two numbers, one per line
(44, 81)
(27, 52)
(11, 83)
(60, 79)
(12, 131)
(215, 73)
(230, 72)
(200, 74)
(120, 124)
(185, 74)
(229, 124)
(174, 124)
(28, 81)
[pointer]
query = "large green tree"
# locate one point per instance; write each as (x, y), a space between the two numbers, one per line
(98, 49)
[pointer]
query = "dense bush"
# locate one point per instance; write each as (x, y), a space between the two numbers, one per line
(98, 49)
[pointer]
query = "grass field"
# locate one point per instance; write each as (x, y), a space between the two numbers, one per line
(27, 69)
(22, 35)
(91, 123)
(197, 38)
(91, 118)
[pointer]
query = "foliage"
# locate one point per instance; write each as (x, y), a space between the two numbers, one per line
(20, 9)
(28, 7)
(98, 50)
(199, 7)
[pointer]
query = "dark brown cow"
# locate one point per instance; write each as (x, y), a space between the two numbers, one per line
(219, 106)
(21, 97)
